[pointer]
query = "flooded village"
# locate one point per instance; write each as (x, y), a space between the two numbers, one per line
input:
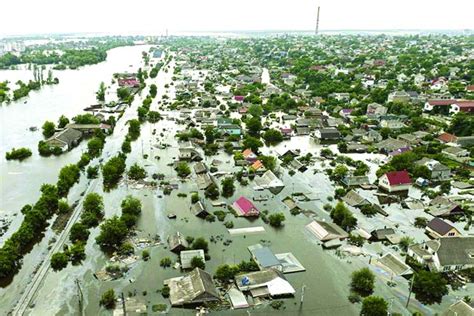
(250, 175)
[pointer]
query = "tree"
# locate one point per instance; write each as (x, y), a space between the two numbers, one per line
(252, 143)
(112, 171)
(108, 299)
(68, 176)
(226, 272)
(59, 261)
(273, 136)
(136, 172)
(18, 154)
(212, 192)
(374, 306)
(197, 262)
(276, 219)
(77, 253)
(112, 233)
(48, 129)
(92, 172)
(131, 209)
(100, 94)
(254, 126)
(255, 110)
(95, 146)
(93, 210)
(134, 129)
(363, 282)
(63, 121)
(429, 287)
(200, 243)
(228, 187)
(183, 170)
(343, 217)
(339, 172)
(153, 90)
(79, 232)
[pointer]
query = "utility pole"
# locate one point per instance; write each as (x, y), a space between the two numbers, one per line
(123, 306)
(411, 289)
(317, 22)
(302, 294)
(80, 297)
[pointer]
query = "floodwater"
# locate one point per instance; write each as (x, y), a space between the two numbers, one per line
(326, 277)
(21, 181)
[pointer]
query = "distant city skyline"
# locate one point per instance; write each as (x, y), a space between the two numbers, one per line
(150, 17)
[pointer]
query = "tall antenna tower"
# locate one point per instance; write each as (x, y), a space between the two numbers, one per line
(317, 22)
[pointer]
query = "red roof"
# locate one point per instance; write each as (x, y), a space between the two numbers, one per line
(398, 177)
(239, 98)
(470, 88)
(465, 104)
(245, 207)
(441, 102)
(447, 138)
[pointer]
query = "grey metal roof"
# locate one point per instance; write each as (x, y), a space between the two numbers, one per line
(265, 257)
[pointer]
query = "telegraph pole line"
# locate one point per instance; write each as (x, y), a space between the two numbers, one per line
(123, 306)
(302, 294)
(411, 289)
(80, 297)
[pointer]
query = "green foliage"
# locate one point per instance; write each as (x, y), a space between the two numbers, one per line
(183, 170)
(343, 217)
(85, 119)
(79, 232)
(429, 287)
(48, 129)
(93, 210)
(76, 253)
(145, 255)
(212, 192)
(374, 306)
(133, 129)
(197, 262)
(462, 124)
(100, 94)
(225, 273)
(228, 187)
(68, 176)
(165, 262)
(95, 146)
(18, 154)
(92, 172)
(112, 171)
(59, 261)
(112, 233)
(63, 121)
(276, 219)
(136, 172)
(272, 136)
(194, 197)
(200, 243)
(362, 282)
(254, 126)
(108, 299)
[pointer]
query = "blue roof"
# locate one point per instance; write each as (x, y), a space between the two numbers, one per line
(265, 257)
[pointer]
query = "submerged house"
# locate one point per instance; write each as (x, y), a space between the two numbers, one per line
(438, 228)
(194, 288)
(395, 181)
(326, 231)
(65, 139)
(177, 242)
(245, 207)
(445, 254)
(268, 282)
(270, 181)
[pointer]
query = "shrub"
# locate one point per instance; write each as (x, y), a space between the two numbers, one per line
(108, 299)
(276, 219)
(18, 154)
(362, 282)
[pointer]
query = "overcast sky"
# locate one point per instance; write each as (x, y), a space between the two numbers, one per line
(154, 16)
